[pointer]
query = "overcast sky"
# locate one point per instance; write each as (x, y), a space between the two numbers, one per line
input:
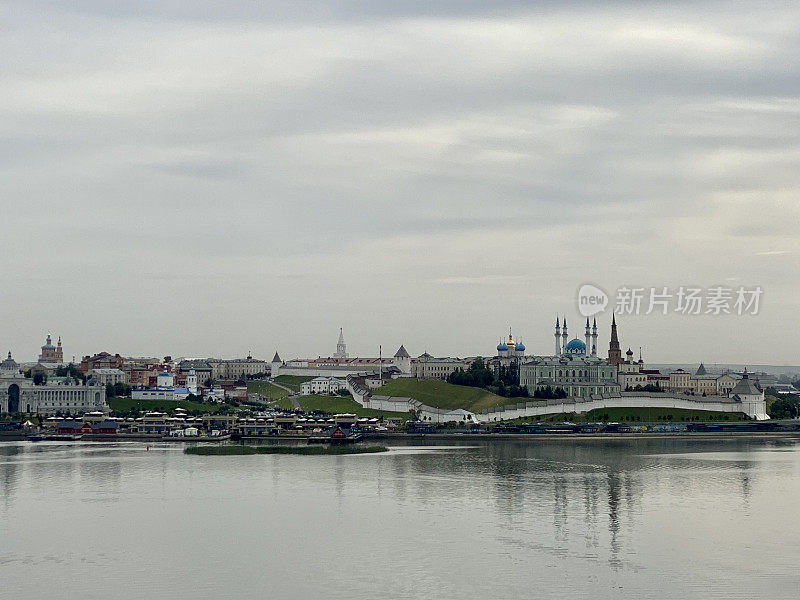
(195, 178)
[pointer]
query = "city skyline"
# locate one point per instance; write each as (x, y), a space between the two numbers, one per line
(532, 349)
(217, 179)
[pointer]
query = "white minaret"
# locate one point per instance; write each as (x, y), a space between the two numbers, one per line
(564, 337)
(588, 337)
(594, 337)
(341, 347)
(558, 338)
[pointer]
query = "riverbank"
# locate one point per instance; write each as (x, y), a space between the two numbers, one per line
(231, 450)
(696, 435)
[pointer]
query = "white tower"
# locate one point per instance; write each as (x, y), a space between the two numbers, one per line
(275, 366)
(341, 347)
(558, 338)
(402, 360)
(165, 379)
(588, 337)
(594, 337)
(564, 337)
(191, 382)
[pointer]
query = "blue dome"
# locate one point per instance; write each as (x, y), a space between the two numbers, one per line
(520, 347)
(575, 346)
(502, 347)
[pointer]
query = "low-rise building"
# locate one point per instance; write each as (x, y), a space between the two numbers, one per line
(578, 375)
(322, 385)
(109, 376)
(102, 360)
(237, 368)
(680, 381)
(629, 373)
(426, 366)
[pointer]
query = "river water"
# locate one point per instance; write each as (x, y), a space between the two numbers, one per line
(664, 518)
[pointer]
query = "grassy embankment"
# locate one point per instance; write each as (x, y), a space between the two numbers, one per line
(343, 404)
(279, 397)
(440, 394)
(637, 415)
(125, 405)
(292, 381)
(304, 450)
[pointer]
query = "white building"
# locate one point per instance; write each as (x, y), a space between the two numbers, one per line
(630, 374)
(165, 379)
(156, 393)
(60, 394)
(342, 365)
(322, 385)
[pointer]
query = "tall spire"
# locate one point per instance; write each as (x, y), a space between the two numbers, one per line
(558, 338)
(341, 347)
(588, 338)
(614, 352)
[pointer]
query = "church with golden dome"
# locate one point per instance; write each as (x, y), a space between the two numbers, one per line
(509, 348)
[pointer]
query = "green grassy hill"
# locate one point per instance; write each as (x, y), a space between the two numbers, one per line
(440, 394)
(266, 389)
(124, 405)
(342, 404)
(292, 381)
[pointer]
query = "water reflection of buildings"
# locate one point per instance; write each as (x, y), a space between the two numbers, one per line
(601, 484)
(9, 471)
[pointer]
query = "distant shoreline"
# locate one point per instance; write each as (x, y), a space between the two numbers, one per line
(472, 437)
(709, 435)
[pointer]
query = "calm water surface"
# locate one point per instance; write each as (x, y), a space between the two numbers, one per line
(565, 519)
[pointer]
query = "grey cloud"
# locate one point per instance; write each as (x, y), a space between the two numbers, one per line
(398, 144)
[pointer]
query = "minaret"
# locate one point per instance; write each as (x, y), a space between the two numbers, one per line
(594, 337)
(614, 353)
(588, 336)
(564, 337)
(558, 338)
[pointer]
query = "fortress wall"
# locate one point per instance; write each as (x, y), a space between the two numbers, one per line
(657, 401)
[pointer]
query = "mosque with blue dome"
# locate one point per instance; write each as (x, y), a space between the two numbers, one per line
(575, 366)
